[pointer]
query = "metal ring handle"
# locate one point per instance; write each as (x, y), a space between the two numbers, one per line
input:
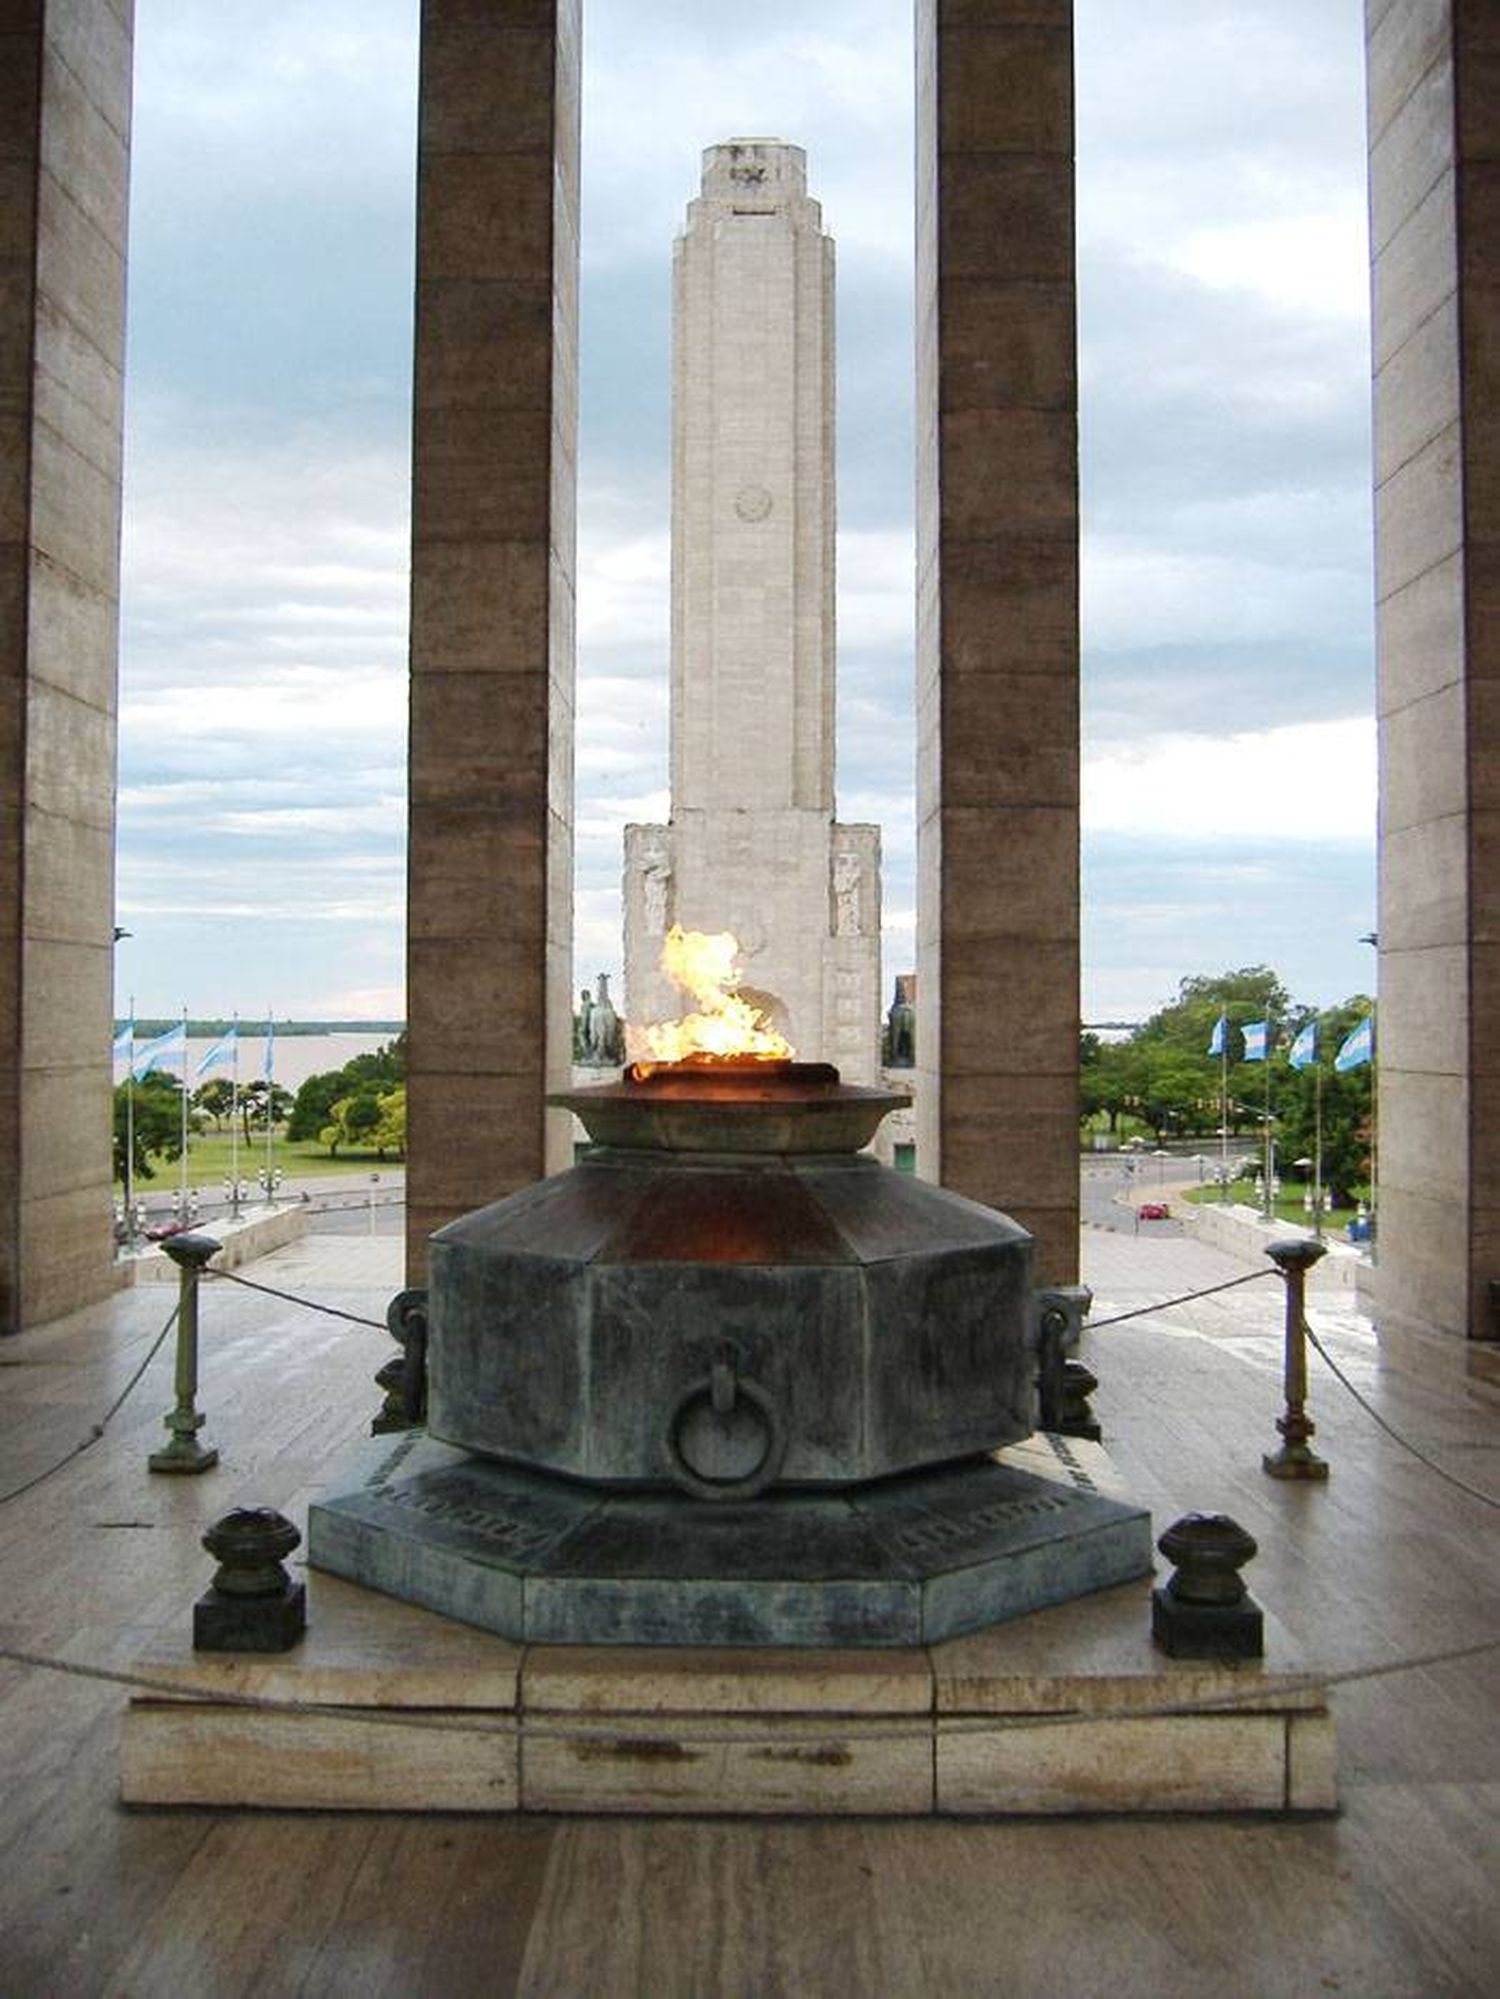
(707, 1396)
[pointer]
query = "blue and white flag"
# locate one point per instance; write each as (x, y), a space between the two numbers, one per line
(268, 1066)
(1359, 1048)
(1304, 1050)
(223, 1055)
(1221, 1028)
(168, 1047)
(1255, 1033)
(124, 1046)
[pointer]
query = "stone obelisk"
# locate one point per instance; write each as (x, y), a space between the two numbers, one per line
(752, 845)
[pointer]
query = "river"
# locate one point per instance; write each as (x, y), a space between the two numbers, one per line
(297, 1056)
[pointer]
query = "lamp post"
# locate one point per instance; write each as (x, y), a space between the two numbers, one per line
(1313, 1199)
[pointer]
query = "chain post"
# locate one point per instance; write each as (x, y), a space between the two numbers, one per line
(191, 1254)
(1296, 1457)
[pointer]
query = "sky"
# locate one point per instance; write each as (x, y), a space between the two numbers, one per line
(1229, 752)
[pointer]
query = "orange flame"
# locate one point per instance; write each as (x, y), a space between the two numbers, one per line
(702, 964)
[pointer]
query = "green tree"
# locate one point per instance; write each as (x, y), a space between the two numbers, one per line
(312, 1113)
(353, 1121)
(216, 1099)
(390, 1134)
(253, 1106)
(1164, 1074)
(313, 1107)
(1110, 1079)
(1254, 992)
(153, 1121)
(1348, 1102)
(314, 1103)
(386, 1065)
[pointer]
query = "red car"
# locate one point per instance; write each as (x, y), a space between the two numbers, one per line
(1153, 1211)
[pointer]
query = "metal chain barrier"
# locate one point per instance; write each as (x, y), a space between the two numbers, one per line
(1448, 1477)
(1187, 1298)
(97, 1430)
(291, 1298)
(1251, 1696)
(145, 1683)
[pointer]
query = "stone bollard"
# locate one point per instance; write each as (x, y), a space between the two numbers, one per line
(191, 1253)
(252, 1605)
(1296, 1458)
(1204, 1611)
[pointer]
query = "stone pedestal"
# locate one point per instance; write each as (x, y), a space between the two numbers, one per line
(1069, 1711)
(906, 1561)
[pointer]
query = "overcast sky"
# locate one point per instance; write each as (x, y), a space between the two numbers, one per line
(1228, 680)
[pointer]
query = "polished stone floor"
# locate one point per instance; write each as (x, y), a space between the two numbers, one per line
(1386, 1578)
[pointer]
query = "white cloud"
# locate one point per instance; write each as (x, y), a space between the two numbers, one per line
(1309, 265)
(1220, 217)
(1308, 781)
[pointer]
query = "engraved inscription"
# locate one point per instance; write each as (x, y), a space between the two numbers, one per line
(1067, 1458)
(388, 1467)
(516, 1535)
(938, 1532)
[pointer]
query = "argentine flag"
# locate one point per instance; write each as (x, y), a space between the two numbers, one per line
(1304, 1050)
(223, 1054)
(269, 1065)
(1221, 1027)
(1359, 1048)
(1255, 1033)
(124, 1047)
(171, 1046)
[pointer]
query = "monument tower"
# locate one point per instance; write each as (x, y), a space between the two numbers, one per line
(752, 845)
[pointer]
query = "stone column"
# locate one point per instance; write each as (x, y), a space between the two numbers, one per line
(997, 613)
(1434, 119)
(490, 887)
(64, 159)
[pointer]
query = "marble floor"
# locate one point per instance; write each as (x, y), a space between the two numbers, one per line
(1387, 1578)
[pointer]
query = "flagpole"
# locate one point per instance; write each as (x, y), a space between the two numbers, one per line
(130, 1132)
(184, 1207)
(1318, 1152)
(270, 1096)
(1224, 1114)
(234, 1124)
(1268, 1205)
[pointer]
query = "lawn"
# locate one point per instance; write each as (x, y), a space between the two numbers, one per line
(1289, 1207)
(208, 1162)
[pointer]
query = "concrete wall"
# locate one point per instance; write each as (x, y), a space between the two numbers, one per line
(490, 873)
(997, 613)
(64, 161)
(1434, 118)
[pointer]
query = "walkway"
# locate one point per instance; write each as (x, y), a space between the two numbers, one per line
(1383, 1565)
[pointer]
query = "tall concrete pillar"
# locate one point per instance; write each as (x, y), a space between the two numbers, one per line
(490, 874)
(64, 159)
(1434, 120)
(997, 613)
(752, 846)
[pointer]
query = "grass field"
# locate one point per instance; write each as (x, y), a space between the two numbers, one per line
(1288, 1205)
(208, 1162)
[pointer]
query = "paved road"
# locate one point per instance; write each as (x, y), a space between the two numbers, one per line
(1111, 1194)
